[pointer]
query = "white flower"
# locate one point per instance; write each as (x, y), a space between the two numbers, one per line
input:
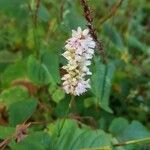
(79, 52)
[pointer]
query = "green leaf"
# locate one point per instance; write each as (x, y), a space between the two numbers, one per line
(9, 57)
(71, 17)
(113, 35)
(34, 141)
(13, 95)
(101, 83)
(14, 8)
(12, 72)
(43, 13)
(21, 111)
(132, 134)
(104, 102)
(97, 80)
(6, 132)
(118, 125)
(38, 73)
(135, 43)
(89, 101)
(58, 95)
(134, 131)
(62, 107)
(67, 135)
(51, 61)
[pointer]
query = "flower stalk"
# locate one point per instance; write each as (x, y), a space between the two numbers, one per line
(89, 18)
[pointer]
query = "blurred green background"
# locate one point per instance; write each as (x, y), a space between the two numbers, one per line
(32, 38)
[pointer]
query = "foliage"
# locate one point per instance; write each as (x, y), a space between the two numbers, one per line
(112, 115)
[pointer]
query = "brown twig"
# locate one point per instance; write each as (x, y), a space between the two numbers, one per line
(81, 119)
(4, 143)
(89, 18)
(112, 12)
(21, 132)
(19, 135)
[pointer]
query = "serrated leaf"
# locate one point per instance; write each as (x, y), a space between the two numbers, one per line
(21, 111)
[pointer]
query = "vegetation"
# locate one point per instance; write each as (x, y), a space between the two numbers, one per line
(36, 113)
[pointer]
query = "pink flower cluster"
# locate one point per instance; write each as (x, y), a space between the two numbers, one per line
(79, 52)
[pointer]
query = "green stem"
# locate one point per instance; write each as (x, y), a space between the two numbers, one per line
(34, 17)
(132, 142)
(66, 115)
(36, 43)
(103, 148)
(120, 144)
(72, 102)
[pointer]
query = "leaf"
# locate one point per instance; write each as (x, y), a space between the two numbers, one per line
(135, 43)
(97, 80)
(34, 141)
(43, 13)
(6, 132)
(15, 71)
(51, 61)
(134, 131)
(21, 111)
(110, 69)
(38, 73)
(118, 125)
(9, 57)
(13, 95)
(84, 137)
(14, 8)
(101, 83)
(71, 17)
(62, 107)
(58, 95)
(113, 35)
(89, 101)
